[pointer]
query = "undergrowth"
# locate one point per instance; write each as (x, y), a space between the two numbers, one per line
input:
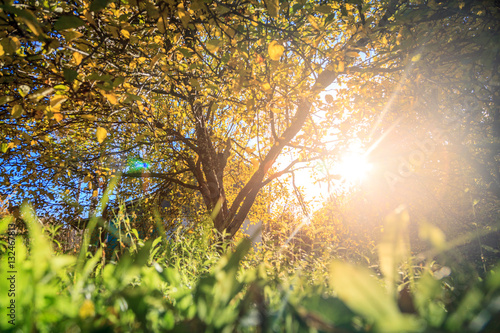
(182, 283)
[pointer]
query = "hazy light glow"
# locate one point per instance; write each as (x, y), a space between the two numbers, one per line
(353, 168)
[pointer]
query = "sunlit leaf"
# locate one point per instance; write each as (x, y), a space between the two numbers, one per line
(340, 66)
(77, 58)
(6, 99)
(161, 25)
(111, 98)
(57, 100)
(125, 33)
(101, 134)
(275, 50)
(183, 15)
(416, 58)
(58, 116)
(88, 117)
(365, 295)
(393, 247)
(313, 21)
(23, 90)
(352, 54)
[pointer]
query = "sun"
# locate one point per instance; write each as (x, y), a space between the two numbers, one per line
(353, 168)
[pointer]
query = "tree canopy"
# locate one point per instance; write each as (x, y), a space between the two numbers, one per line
(205, 96)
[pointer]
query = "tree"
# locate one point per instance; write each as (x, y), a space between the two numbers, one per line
(209, 94)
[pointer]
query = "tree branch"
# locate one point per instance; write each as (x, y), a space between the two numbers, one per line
(160, 176)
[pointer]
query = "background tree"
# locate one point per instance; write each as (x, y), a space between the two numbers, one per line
(208, 94)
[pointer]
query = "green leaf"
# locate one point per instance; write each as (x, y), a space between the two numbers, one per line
(119, 80)
(5, 99)
(70, 75)
(393, 248)
(213, 45)
(364, 294)
(61, 87)
(97, 77)
(17, 111)
(68, 22)
(330, 309)
(4, 223)
(273, 7)
(185, 52)
(97, 5)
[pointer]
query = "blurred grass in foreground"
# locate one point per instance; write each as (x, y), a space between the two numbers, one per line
(184, 284)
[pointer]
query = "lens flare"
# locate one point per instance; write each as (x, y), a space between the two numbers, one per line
(353, 168)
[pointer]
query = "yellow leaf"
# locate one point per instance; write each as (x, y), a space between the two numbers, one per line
(313, 22)
(57, 100)
(111, 98)
(161, 25)
(95, 193)
(101, 134)
(77, 58)
(125, 33)
(255, 163)
(88, 117)
(15, 43)
(183, 15)
(275, 50)
(58, 116)
(229, 31)
(17, 111)
(266, 86)
(32, 25)
(352, 54)
(140, 106)
(416, 58)
(340, 67)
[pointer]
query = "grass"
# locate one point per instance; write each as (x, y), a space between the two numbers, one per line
(185, 284)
